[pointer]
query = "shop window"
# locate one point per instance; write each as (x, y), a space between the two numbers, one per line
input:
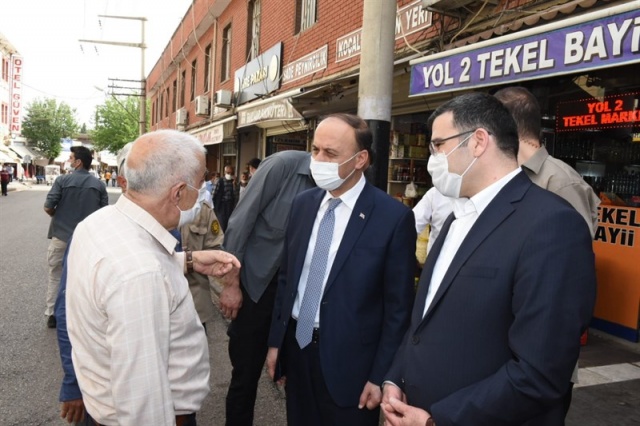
(306, 14)
(229, 149)
(207, 68)
(161, 108)
(194, 66)
(253, 29)
(225, 73)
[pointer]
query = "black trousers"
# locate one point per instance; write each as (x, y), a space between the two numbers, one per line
(248, 335)
(309, 402)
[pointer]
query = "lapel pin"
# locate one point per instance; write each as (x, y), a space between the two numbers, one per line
(361, 215)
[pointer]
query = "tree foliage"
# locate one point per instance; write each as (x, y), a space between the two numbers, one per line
(117, 123)
(46, 122)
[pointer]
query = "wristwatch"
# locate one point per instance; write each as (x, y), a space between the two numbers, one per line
(430, 422)
(189, 256)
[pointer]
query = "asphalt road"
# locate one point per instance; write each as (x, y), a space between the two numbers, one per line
(30, 371)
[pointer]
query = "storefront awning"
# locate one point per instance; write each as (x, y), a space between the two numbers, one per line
(216, 132)
(4, 158)
(23, 151)
(595, 40)
(272, 114)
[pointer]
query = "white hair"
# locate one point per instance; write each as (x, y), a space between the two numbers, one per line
(122, 156)
(175, 159)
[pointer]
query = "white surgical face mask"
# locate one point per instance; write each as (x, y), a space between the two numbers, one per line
(188, 216)
(68, 167)
(228, 176)
(326, 174)
(447, 183)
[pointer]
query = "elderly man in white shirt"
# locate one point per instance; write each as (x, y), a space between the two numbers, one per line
(139, 350)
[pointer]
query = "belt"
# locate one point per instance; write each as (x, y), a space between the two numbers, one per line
(181, 420)
(315, 335)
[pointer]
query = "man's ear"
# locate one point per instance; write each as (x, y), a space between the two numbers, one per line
(482, 138)
(362, 159)
(176, 191)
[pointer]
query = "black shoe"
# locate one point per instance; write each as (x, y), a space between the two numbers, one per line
(51, 321)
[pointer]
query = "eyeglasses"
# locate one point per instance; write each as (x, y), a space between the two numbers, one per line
(434, 145)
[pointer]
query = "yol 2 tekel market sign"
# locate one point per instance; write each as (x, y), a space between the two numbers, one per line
(595, 40)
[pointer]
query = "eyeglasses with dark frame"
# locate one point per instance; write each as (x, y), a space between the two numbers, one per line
(436, 143)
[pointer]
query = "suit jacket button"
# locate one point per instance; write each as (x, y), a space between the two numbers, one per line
(415, 340)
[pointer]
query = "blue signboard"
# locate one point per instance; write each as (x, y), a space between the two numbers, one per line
(602, 41)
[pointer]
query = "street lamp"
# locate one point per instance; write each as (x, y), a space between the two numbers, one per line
(142, 47)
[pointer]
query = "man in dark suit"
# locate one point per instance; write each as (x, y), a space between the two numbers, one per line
(345, 291)
(505, 293)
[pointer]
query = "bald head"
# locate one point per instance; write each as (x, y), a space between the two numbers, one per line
(159, 159)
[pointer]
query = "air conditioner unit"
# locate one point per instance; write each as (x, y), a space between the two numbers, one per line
(181, 117)
(223, 98)
(202, 105)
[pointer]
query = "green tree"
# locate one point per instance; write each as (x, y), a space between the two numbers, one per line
(46, 122)
(116, 123)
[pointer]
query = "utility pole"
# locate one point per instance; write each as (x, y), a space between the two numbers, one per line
(142, 46)
(376, 81)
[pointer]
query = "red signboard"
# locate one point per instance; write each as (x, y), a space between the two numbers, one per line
(619, 111)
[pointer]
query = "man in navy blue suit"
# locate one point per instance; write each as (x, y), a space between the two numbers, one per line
(506, 291)
(345, 291)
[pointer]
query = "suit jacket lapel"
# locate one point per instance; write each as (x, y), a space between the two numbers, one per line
(495, 213)
(359, 218)
(427, 270)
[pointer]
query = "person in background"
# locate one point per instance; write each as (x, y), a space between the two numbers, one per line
(506, 291)
(72, 198)
(256, 236)
(203, 232)
(432, 209)
(129, 312)
(71, 404)
(107, 177)
(4, 180)
(225, 196)
(546, 171)
(114, 178)
(341, 310)
(244, 181)
(208, 181)
(253, 165)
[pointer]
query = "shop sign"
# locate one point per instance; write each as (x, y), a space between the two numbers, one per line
(276, 110)
(211, 136)
(16, 94)
(307, 65)
(610, 112)
(409, 19)
(598, 42)
(617, 225)
(259, 77)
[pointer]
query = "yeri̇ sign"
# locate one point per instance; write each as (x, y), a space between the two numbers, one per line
(596, 42)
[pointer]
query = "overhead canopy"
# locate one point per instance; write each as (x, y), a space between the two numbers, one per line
(4, 158)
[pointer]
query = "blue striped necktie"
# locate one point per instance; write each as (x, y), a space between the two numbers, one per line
(317, 271)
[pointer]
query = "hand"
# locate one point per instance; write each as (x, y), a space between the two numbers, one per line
(272, 358)
(398, 413)
(72, 411)
(390, 390)
(230, 301)
(215, 263)
(370, 397)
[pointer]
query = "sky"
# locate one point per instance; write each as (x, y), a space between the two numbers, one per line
(57, 65)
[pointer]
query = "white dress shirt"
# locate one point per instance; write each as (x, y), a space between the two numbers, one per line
(466, 211)
(139, 350)
(342, 215)
(432, 209)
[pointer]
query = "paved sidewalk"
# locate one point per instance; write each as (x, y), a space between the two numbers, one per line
(609, 388)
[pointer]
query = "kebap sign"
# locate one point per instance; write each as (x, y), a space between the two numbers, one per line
(596, 40)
